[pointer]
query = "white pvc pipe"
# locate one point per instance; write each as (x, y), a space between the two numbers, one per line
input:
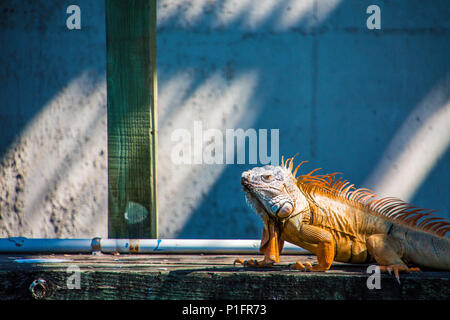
(155, 246)
(188, 246)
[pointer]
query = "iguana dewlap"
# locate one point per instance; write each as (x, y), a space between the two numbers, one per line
(330, 218)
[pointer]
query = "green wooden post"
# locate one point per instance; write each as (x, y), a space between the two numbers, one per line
(131, 94)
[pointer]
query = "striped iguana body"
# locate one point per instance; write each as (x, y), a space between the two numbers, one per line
(330, 218)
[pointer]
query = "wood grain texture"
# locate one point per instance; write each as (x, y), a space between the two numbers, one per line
(200, 277)
(131, 94)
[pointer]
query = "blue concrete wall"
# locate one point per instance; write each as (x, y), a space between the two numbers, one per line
(338, 92)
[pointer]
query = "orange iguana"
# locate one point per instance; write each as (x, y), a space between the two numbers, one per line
(327, 216)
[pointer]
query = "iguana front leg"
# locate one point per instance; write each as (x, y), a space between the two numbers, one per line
(271, 246)
(318, 241)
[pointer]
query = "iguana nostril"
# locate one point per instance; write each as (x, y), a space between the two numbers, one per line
(244, 178)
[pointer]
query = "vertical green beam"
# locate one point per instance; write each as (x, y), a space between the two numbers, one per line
(131, 100)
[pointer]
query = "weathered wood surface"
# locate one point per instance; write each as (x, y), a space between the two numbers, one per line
(203, 277)
(131, 99)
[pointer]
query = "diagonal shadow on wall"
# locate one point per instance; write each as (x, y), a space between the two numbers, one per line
(40, 57)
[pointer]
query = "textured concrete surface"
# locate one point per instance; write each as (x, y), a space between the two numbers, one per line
(52, 121)
(372, 104)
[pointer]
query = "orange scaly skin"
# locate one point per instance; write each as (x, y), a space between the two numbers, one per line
(330, 218)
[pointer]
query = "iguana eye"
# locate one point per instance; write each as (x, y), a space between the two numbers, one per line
(267, 177)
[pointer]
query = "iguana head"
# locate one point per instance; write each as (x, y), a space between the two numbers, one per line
(273, 191)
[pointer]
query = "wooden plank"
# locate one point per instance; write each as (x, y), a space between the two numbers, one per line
(131, 95)
(199, 277)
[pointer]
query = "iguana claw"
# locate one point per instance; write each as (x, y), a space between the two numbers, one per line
(299, 266)
(253, 263)
(238, 261)
(397, 268)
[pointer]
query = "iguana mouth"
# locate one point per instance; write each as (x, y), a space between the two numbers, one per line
(255, 203)
(259, 205)
(252, 197)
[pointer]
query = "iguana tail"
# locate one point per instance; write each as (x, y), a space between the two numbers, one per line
(420, 233)
(422, 248)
